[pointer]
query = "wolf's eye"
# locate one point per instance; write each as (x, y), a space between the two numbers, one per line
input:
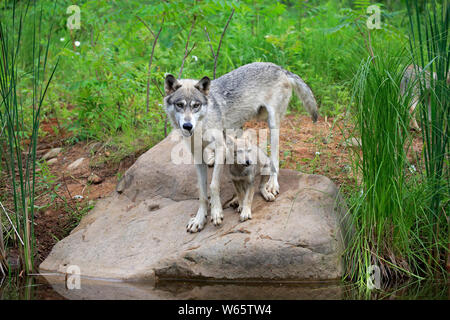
(179, 105)
(196, 106)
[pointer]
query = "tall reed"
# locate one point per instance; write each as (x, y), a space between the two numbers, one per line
(381, 223)
(18, 95)
(430, 48)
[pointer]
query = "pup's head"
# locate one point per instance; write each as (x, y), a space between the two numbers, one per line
(186, 102)
(243, 150)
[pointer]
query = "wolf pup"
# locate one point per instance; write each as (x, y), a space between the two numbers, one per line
(249, 162)
(257, 90)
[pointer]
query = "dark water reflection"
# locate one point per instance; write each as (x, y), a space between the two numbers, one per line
(54, 288)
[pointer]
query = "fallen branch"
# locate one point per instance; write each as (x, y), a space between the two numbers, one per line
(70, 195)
(12, 224)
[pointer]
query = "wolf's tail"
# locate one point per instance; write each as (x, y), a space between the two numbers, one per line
(305, 93)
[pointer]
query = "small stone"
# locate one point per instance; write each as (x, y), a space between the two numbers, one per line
(51, 154)
(352, 143)
(346, 168)
(107, 153)
(13, 260)
(95, 147)
(74, 165)
(52, 161)
(94, 179)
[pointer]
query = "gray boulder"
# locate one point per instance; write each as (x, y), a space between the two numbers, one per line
(139, 231)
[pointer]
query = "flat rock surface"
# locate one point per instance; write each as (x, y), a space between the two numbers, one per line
(139, 232)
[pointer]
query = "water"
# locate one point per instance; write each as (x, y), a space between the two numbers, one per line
(54, 288)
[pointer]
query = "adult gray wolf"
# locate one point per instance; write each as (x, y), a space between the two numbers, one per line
(249, 163)
(257, 90)
(410, 84)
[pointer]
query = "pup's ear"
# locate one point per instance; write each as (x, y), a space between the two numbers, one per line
(171, 84)
(203, 85)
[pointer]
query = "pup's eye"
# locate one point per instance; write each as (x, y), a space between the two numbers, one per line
(196, 105)
(179, 105)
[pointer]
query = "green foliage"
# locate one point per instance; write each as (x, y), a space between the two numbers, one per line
(101, 85)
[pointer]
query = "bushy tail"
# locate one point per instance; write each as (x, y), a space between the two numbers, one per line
(305, 93)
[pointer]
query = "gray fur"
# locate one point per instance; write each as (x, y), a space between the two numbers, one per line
(410, 84)
(249, 163)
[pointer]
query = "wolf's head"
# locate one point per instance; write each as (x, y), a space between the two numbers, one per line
(186, 102)
(243, 150)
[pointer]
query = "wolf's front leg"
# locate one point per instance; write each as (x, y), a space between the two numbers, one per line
(246, 212)
(198, 222)
(216, 205)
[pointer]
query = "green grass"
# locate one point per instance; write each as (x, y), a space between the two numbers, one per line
(381, 121)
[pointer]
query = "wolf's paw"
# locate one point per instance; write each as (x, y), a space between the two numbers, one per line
(233, 203)
(272, 186)
(246, 214)
(209, 157)
(267, 195)
(414, 125)
(197, 223)
(216, 216)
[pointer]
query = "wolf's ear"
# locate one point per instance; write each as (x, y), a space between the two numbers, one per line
(203, 85)
(171, 84)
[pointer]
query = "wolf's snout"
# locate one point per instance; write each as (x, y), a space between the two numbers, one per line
(187, 126)
(248, 162)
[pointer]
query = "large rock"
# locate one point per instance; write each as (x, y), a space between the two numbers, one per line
(139, 232)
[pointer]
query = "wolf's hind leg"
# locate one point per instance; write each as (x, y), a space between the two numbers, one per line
(240, 189)
(233, 203)
(413, 122)
(272, 185)
(216, 204)
(198, 222)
